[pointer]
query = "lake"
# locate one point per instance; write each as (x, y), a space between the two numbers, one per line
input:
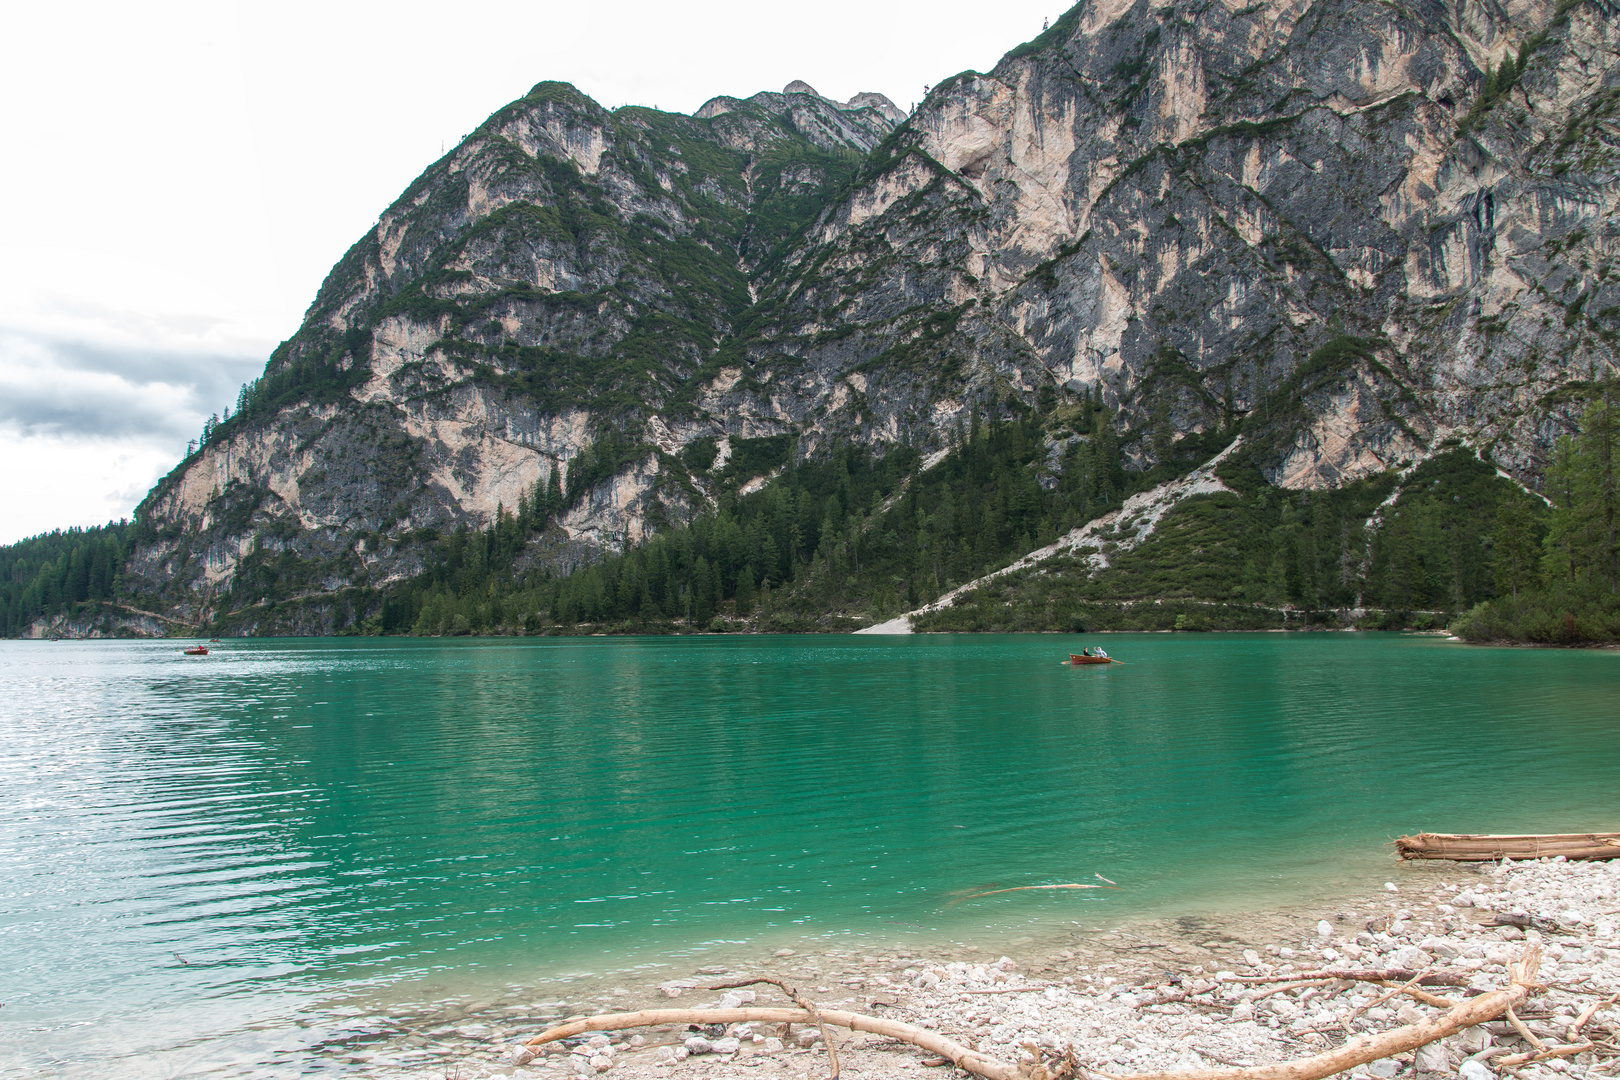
(200, 856)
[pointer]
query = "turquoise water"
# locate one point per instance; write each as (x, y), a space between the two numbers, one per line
(195, 853)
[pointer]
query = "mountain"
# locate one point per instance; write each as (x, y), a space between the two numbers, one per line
(1361, 233)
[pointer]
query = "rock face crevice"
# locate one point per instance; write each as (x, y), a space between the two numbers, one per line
(1362, 228)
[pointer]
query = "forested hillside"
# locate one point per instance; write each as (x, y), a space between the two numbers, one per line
(797, 362)
(61, 573)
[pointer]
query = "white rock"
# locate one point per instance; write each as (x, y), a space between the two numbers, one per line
(727, 1045)
(1473, 1070)
(697, 1044)
(1440, 947)
(807, 1039)
(1243, 1011)
(1389, 886)
(772, 1046)
(1432, 1058)
(601, 1063)
(520, 1055)
(1384, 1068)
(1324, 929)
(1412, 958)
(730, 1001)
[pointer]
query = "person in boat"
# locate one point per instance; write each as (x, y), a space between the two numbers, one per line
(1099, 654)
(1086, 651)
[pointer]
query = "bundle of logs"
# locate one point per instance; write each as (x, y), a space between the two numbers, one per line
(1458, 1014)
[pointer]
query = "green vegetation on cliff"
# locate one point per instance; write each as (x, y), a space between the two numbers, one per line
(1258, 557)
(1557, 565)
(827, 545)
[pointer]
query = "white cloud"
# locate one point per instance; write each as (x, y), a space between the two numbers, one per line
(53, 481)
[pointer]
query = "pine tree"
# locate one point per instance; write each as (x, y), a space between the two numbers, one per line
(1561, 546)
(1514, 545)
(1596, 452)
(554, 494)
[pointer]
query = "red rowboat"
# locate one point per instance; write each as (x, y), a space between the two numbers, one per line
(197, 650)
(1077, 658)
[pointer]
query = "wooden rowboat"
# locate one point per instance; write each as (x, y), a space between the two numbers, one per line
(1076, 658)
(1481, 847)
(197, 650)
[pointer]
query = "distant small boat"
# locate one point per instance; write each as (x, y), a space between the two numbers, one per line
(197, 650)
(1082, 658)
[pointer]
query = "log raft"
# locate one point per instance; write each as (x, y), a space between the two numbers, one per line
(1480, 847)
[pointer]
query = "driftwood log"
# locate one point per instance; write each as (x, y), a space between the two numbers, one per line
(1481, 847)
(1357, 1051)
(1371, 1047)
(932, 1041)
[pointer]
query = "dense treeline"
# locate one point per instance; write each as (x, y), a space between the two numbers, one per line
(1258, 556)
(852, 536)
(863, 535)
(1557, 565)
(56, 572)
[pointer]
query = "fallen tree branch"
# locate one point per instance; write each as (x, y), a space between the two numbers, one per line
(802, 1002)
(1428, 999)
(1543, 1055)
(1365, 1048)
(1587, 1014)
(1523, 1029)
(1443, 977)
(1409, 984)
(1356, 1051)
(932, 1041)
(1287, 987)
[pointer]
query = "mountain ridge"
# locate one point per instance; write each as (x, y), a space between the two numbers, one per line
(1363, 231)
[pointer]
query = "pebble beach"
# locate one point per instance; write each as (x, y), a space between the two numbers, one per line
(1167, 993)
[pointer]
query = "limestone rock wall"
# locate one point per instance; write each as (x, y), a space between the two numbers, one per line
(1360, 228)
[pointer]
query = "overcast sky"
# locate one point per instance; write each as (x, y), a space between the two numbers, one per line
(180, 176)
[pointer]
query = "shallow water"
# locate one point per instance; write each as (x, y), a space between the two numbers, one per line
(196, 854)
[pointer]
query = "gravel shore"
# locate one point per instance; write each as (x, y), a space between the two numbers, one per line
(1148, 995)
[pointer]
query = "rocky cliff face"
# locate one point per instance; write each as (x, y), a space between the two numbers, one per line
(1322, 216)
(1362, 228)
